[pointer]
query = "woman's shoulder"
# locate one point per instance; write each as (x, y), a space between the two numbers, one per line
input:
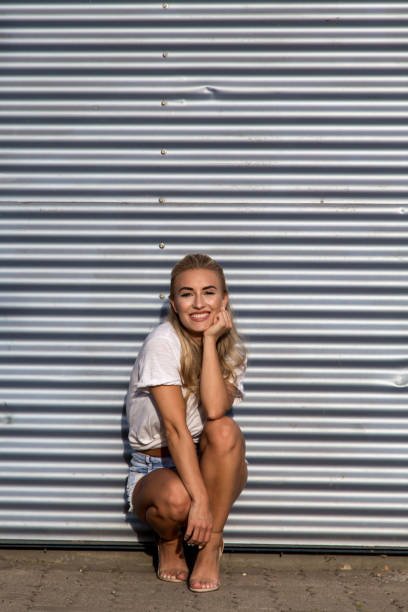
(158, 360)
(163, 333)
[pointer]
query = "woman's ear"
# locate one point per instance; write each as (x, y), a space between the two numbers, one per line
(172, 305)
(225, 300)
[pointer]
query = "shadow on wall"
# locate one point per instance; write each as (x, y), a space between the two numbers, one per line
(142, 531)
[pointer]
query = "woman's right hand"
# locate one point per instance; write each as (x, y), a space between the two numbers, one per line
(199, 524)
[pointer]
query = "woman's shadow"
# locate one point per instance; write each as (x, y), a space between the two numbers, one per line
(145, 536)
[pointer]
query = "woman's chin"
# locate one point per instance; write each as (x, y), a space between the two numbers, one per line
(197, 329)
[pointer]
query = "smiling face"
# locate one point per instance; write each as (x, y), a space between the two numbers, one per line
(198, 297)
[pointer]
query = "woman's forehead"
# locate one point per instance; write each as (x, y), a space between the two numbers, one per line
(197, 278)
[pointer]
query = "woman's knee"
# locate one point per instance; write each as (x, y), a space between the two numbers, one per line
(222, 434)
(161, 493)
(175, 502)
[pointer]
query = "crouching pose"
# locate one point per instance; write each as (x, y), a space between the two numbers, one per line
(188, 462)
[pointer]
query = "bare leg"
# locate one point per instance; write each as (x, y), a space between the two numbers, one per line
(161, 500)
(224, 471)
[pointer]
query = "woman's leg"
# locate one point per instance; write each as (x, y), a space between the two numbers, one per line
(224, 471)
(161, 500)
(223, 466)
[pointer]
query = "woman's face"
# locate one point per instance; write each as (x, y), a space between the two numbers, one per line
(198, 297)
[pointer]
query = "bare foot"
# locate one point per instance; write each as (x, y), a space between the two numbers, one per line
(172, 565)
(205, 575)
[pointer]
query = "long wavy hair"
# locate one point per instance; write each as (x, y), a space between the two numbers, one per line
(230, 347)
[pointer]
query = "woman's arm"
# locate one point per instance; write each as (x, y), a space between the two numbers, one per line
(171, 405)
(216, 393)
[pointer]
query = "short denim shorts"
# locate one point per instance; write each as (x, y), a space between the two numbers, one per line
(142, 464)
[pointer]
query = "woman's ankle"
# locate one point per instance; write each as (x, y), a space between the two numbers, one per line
(215, 539)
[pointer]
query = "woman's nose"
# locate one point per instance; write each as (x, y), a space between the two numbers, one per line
(198, 301)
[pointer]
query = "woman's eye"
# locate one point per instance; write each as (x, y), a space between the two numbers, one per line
(210, 293)
(185, 294)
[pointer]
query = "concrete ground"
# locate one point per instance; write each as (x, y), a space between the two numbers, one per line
(102, 581)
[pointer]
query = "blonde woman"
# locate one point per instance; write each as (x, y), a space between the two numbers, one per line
(188, 461)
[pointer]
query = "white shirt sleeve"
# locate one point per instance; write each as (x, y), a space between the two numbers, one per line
(158, 364)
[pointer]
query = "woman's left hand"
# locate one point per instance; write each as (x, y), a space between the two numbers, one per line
(222, 324)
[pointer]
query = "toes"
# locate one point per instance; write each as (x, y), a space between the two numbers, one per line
(204, 587)
(182, 575)
(203, 584)
(173, 575)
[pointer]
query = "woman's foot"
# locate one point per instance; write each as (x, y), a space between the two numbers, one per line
(205, 575)
(172, 564)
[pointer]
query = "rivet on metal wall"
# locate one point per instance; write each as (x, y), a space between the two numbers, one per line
(163, 152)
(161, 245)
(165, 5)
(163, 102)
(162, 296)
(165, 54)
(162, 200)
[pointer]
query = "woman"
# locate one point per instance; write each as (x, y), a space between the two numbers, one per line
(188, 461)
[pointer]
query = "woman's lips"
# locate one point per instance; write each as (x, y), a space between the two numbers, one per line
(199, 316)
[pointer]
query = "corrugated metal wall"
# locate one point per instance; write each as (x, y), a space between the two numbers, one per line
(271, 135)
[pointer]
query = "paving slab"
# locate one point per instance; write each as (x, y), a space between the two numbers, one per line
(116, 581)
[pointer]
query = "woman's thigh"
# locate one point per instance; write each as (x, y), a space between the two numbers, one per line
(159, 488)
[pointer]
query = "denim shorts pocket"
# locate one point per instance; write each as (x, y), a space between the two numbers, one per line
(140, 465)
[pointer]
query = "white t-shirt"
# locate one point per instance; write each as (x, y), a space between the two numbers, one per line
(158, 363)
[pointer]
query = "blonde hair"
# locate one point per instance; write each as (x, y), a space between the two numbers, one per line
(230, 347)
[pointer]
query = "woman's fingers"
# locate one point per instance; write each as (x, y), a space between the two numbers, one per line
(207, 534)
(190, 534)
(226, 319)
(199, 522)
(222, 323)
(200, 536)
